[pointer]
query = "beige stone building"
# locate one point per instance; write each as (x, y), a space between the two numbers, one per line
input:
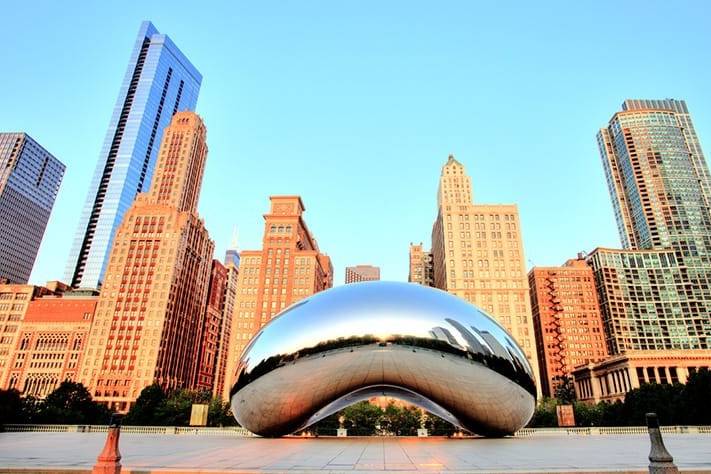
(611, 379)
(362, 273)
(477, 254)
(148, 318)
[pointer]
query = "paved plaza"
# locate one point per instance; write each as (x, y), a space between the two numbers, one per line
(189, 453)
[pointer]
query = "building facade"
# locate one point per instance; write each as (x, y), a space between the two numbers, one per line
(477, 254)
(362, 273)
(566, 321)
(289, 268)
(421, 271)
(150, 313)
(655, 293)
(30, 177)
(14, 300)
(227, 359)
(212, 326)
(159, 82)
(612, 378)
(50, 344)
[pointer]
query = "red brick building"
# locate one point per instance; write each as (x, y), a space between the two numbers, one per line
(211, 329)
(566, 319)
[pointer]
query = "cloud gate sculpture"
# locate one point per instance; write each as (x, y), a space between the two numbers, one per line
(357, 341)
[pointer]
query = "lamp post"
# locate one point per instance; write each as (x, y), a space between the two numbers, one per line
(109, 460)
(660, 461)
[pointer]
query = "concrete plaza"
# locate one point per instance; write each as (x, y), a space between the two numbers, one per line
(76, 452)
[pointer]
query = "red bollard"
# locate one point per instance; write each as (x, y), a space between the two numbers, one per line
(108, 461)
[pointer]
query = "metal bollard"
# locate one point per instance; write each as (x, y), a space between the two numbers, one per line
(660, 461)
(109, 460)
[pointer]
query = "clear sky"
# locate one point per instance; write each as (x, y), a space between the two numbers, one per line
(356, 105)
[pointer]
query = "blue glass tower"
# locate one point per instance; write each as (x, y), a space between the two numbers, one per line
(159, 82)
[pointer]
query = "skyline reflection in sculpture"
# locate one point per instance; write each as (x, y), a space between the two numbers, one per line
(361, 340)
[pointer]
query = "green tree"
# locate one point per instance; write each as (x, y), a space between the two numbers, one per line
(661, 399)
(326, 426)
(545, 416)
(149, 404)
(10, 407)
(220, 414)
(588, 414)
(400, 421)
(565, 391)
(436, 426)
(362, 419)
(696, 399)
(71, 403)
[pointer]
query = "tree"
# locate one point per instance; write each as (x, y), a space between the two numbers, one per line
(437, 426)
(10, 407)
(565, 391)
(545, 414)
(327, 426)
(661, 399)
(400, 421)
(588, 414)
(362, 419)
(149, 404)
(71, 403)
(220, 414)
(695, 398)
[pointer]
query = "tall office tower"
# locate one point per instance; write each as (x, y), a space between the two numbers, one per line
(362, 273)
(227, 359)
(51, 342)
(289, 267)
(152, 304)
(29, 181)
(421, 270)
(655, 295)
(159, 82)
(14, 300)
(477, 254)
(566, 320)
(208, 351)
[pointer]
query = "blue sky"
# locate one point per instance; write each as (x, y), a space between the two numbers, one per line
(356, 105)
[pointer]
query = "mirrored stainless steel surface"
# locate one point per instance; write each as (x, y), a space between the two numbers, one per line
(356, 341)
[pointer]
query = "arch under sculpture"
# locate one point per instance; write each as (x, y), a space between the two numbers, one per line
(360, 340)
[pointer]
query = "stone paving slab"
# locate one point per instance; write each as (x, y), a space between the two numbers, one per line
(76, 452)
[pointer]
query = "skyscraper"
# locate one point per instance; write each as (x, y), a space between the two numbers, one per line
(212, 326)
(226, 358)
(151, 309)
(421, 270)
(477, 254)
(655, 294)
(29, 181)
(566, 320)
(289, 268)
(159, 82)
(362, 273)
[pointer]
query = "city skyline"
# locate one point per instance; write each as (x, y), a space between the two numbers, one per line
(479, 149)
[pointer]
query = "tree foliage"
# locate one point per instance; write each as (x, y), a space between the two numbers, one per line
(674, 405)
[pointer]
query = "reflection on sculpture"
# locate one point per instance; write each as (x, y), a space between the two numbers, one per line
(357, 341)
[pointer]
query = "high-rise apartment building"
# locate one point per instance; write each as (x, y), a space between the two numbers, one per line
(227, 359)
(421, 270)
(212, 326)
(29, 181)
(362, 273)
(655, 293)
(477, 254)
(566, 320)
(50, 344)
(150, 313)
(159, 82)
(289, 267)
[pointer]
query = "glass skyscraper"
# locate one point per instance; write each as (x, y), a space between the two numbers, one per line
(656, 294)
(159, 82)
(29, 181)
